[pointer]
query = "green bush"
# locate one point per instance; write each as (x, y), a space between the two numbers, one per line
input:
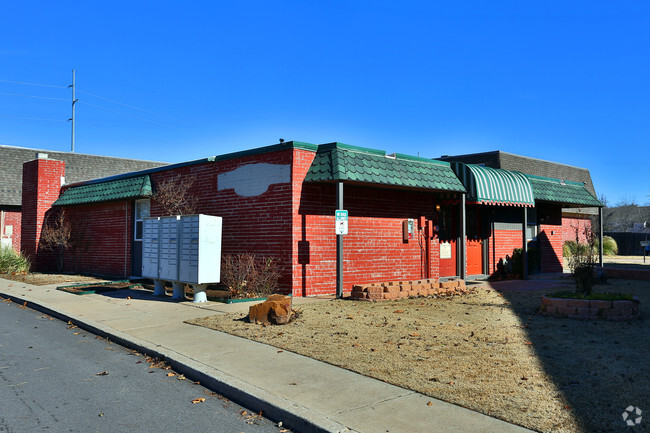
(12, 262)
(534, 260)
(609, 246)
(568, 248)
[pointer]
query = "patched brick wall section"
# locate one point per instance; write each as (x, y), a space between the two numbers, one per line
(550, 238)
(502, 244)
(259, 224)
(103, 234)
(41, 187)
(373, 251)
(569, 226)
(12, 218)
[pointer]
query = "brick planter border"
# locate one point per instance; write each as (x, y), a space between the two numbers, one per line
(406, 289)
(585, 309)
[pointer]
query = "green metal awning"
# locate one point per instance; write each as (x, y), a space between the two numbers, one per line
(341, 162)
(494, 186)
(562, 191)
(130, 188)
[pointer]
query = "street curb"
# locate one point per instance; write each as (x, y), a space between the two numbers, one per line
(292, 415)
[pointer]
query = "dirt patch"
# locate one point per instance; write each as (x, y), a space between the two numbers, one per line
(490, 351)
(38, 279)
(98, 288)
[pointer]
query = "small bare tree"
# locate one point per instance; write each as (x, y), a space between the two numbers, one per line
(172, 195)
(57, 236)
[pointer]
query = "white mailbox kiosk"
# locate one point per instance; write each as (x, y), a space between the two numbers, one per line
(182, 249)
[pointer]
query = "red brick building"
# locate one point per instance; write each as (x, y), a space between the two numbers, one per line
(409, 217)
(78, 167)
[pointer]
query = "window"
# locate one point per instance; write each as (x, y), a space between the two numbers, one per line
(142, 211)
(531, 230)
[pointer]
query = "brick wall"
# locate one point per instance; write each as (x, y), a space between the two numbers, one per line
(103, 234)
(569, 226)
(41, 186)
(259, 224)
(550, 238)
(11, 218)
(373, 251)
(502, 243)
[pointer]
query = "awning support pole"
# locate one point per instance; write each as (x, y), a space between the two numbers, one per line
(525, 245)
(462, 244)
(339, 245)
(600, 237)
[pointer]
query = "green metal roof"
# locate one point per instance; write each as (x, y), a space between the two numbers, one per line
(562, 191)
(120, 189)
(494, 186)
(342, 162)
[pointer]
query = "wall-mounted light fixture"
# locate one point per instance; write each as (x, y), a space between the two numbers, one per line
(437, 208)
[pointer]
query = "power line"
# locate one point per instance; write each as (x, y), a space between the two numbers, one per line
(31, 118)
(32, 96)
(33, 84)
(133, 107)
(128, 115)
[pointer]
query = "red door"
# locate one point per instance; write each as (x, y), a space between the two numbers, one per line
(474, 256)
(474, 241)
(447, 243)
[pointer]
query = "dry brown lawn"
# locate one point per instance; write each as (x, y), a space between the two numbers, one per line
(489, 351)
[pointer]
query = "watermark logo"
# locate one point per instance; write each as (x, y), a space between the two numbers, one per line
(632, 416)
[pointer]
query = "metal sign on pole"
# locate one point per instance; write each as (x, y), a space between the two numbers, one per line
(341, 222)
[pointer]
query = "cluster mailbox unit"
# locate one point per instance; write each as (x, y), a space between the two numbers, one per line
(183, 249)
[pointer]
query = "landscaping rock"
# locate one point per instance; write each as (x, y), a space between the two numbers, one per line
(276, 310)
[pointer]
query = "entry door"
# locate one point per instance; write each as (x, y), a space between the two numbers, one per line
(447, 243)
(475, 241)
(141, 210)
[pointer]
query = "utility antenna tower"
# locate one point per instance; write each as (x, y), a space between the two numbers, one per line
(72, 118)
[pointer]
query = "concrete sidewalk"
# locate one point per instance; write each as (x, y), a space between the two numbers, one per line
(305, 394)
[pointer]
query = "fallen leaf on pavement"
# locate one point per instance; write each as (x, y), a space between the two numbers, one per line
(198, 400)
(76, 333)
(171, 374)
(103, 373)
(429, 404)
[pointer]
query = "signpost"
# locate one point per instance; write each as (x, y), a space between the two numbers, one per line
(646, 246)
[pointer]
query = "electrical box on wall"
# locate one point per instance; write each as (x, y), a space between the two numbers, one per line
(408, 229)
(185, 248)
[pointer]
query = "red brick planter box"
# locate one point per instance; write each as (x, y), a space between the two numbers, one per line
(406, 289)
(585, 309)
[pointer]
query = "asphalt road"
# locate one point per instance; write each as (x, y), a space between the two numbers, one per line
(56, 377)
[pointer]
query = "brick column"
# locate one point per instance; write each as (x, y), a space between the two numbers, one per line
(42, 179)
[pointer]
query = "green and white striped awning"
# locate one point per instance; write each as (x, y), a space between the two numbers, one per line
(494, 186)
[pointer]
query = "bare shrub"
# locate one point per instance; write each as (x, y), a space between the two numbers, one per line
(57, 236)
(172, 195)
(582, 261)
(249, 276)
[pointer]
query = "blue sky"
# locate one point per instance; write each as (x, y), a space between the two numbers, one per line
(173, 81)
